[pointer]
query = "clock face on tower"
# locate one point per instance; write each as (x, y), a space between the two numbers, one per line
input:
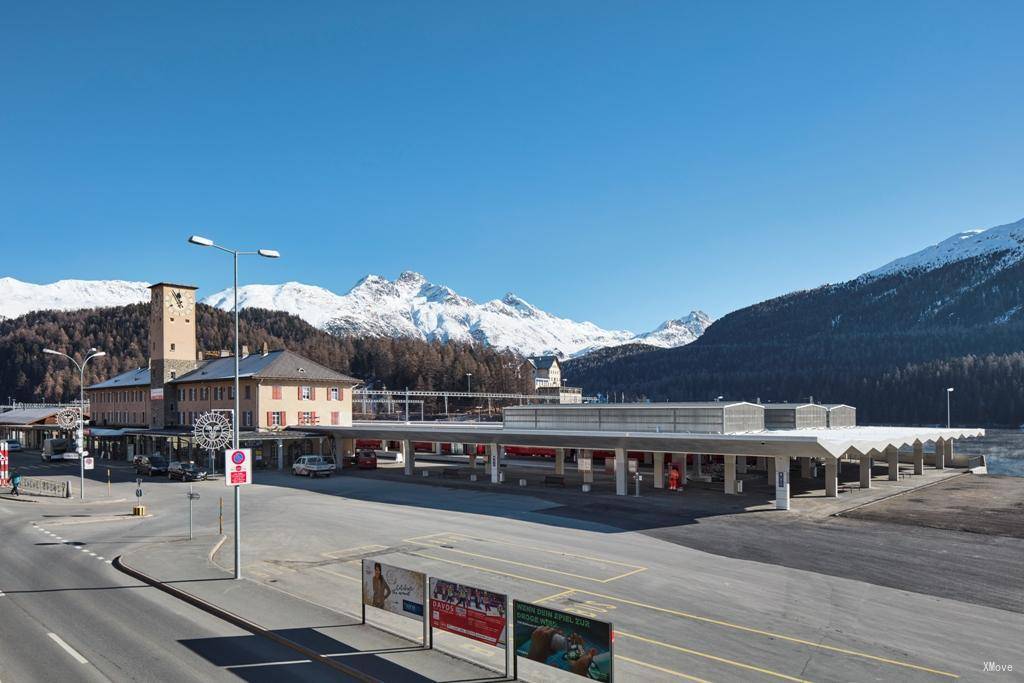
(179, 301)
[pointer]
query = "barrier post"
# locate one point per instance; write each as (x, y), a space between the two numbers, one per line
(428, 630)
(108, 482)
(510, 640)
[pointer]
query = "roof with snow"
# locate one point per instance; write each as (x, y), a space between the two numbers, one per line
(27, 416)
(543, 362)
(282, 364)
(139, 377)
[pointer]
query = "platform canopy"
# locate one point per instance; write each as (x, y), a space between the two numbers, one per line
(796, 443)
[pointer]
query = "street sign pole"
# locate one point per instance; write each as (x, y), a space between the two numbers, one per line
(190, 512)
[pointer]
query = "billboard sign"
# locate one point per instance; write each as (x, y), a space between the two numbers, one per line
(466, 611)
(393, 589)
(156, 394)
(570, 642)
(237, 466)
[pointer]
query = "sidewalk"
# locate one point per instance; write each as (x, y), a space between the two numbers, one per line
(337, 640)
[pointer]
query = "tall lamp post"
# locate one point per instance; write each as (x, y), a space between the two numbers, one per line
(469, 379)
(90, 354)
(235, 253)
(949, 392)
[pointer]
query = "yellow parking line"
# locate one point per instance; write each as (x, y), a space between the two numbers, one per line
(715, 658)
(635, 569)
(556, 595)
(525, 564)
(502, 541)
(336, 554)
(706, 620)
(662, 669)
(343, 576)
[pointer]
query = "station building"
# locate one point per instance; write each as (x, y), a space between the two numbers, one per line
(154, 408)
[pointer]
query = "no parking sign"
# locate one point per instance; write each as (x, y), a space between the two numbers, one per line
(237, 466)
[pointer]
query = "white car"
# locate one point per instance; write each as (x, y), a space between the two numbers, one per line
(312, 466)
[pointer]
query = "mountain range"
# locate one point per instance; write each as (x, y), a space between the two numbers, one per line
(409, 306)
(890, 341)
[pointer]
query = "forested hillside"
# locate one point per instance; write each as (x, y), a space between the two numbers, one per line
(889, 345)
(26, 374)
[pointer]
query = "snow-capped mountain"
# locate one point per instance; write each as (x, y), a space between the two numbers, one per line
(18, 298)
(413, 306)
(961, 246)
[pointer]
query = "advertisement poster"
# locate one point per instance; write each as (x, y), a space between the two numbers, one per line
(471, 612)
(393, 589)
(576, 644)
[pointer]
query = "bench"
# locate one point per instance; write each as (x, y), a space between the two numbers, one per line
(450, 473)
(554, 480)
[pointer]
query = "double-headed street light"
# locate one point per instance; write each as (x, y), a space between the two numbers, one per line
(89, 355)
(949, 392)
(235, 253)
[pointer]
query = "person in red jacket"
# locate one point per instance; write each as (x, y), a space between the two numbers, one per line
(673, 479)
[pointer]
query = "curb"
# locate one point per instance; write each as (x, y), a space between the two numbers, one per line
(899, 493)
(241, 623)
(17, 499)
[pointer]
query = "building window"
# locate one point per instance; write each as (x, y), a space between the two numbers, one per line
(174, 373)
(248, 391)
(305, 393)
(172, 346)
(335, 418)
(191, 393)
(247, 418)
(231, 393)
(143, 420)
(276, 393)
(181, 394)
(204, 393)
(307, 417)
(276, 419)
(335, 394)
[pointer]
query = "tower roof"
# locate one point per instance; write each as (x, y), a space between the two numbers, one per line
(172, 284)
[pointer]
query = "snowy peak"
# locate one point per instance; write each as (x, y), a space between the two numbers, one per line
(678, 332)
(412, 305)
(961, 246)
(18, 298)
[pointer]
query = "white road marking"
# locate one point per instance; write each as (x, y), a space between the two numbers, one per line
(67, 648)
(91, 553)
(282, 663)
(99, 557)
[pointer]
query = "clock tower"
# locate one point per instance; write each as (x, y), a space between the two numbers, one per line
(172, 345)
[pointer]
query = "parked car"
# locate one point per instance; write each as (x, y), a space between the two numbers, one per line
(13, 445)
(185, 471)
(366, 460)
(53, 449)
(151, 465)
(312, 466)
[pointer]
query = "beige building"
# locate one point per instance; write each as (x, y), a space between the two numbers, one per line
(278, 389)
(545, 371)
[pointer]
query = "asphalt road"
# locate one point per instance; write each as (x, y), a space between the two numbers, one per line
(740, 597)
(66, 614)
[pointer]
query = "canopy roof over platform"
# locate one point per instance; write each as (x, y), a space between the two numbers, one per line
(797, 443)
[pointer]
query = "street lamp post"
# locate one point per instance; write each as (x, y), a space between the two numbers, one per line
(469, 379)
(235, 253)
(949, 392)
(90, 354)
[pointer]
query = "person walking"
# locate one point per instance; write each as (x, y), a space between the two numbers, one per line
(15, 483)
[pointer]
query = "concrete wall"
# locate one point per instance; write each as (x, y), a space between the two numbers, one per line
(649, 417)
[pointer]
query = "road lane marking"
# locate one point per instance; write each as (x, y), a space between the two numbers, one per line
(680, 674)
(556, 595)
(454, 538)
(267, 664)
(67, 648)
(715, 658)
(706, 620)
(343, 576)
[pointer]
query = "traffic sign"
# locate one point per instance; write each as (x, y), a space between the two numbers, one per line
(237, 466)
(5, 477)
(88, 463)
(193, 495)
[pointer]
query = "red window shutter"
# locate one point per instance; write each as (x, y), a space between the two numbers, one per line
(300, 392)
(270, 420)
(312, 393)
(284, 418)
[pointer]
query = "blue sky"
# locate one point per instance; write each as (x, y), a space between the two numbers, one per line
(619, 162)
